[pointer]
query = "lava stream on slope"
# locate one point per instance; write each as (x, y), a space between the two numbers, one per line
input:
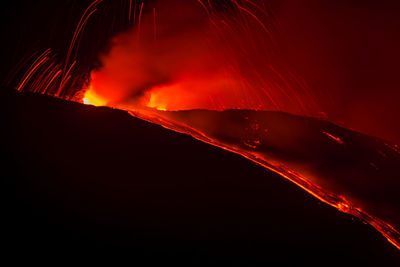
(353, 172)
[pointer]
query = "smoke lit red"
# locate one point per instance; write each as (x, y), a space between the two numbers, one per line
(198, 57)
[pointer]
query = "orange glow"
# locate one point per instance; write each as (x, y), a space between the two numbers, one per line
(91, 98)
(153, 103)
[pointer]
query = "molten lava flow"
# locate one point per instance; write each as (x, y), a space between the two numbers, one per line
(295, 148)
(91, 98)
(301, 150)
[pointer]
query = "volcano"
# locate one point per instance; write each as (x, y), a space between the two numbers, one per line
(83, 180)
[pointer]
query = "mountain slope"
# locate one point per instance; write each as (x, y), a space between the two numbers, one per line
(95, 181)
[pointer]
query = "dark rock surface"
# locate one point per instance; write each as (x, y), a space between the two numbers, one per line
(96, 182)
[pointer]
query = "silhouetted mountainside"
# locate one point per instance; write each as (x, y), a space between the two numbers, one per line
(80, 180)
(364, 170)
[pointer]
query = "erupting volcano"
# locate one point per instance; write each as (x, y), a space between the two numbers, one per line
(219, 72)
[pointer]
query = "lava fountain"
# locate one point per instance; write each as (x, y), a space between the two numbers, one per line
(202, 56)
(213, 70)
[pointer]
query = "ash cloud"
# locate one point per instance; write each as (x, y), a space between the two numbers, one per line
(183, 55)
(170, 44)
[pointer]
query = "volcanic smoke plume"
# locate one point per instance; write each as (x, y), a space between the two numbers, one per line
(182, 55)
(225, 57)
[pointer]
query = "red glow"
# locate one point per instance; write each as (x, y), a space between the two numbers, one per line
(202, 60)
(199, 58)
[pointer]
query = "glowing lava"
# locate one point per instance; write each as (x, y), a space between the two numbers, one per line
(154, 104)
(91, 98)
(295, 148)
